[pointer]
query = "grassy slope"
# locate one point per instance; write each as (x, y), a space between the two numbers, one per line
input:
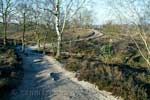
(114, 66)
(30, 36)
(76, 32)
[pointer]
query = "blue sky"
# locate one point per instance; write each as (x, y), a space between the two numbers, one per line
(102, 11)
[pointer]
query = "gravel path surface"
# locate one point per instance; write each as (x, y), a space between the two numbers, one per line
(45, 79)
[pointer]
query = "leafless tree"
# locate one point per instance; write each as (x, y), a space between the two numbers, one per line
(6, 9)
(24, 12)
(36, 13)
(137, 14)
(62, 10)
(83, 19)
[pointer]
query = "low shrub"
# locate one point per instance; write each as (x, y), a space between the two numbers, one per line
(112, 68)
(73, 64)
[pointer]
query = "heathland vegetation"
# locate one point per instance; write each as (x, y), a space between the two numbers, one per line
(118, 61)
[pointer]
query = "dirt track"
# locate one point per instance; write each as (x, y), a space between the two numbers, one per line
(45, 79)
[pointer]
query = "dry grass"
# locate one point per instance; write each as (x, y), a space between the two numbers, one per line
(75, 33)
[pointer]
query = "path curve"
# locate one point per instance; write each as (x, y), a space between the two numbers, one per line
(94, 34)
(86, 38)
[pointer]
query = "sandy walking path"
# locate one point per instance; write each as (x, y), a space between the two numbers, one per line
(45, 79)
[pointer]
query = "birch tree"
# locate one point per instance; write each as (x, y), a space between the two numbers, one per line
(62, 10)
(137, 14)
(36, 13)
(6, 9)
(24, 12)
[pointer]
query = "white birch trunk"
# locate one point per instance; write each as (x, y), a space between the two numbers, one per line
(57, 29)
(58, 36)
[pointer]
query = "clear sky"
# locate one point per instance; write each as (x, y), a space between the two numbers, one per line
(102, 11)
